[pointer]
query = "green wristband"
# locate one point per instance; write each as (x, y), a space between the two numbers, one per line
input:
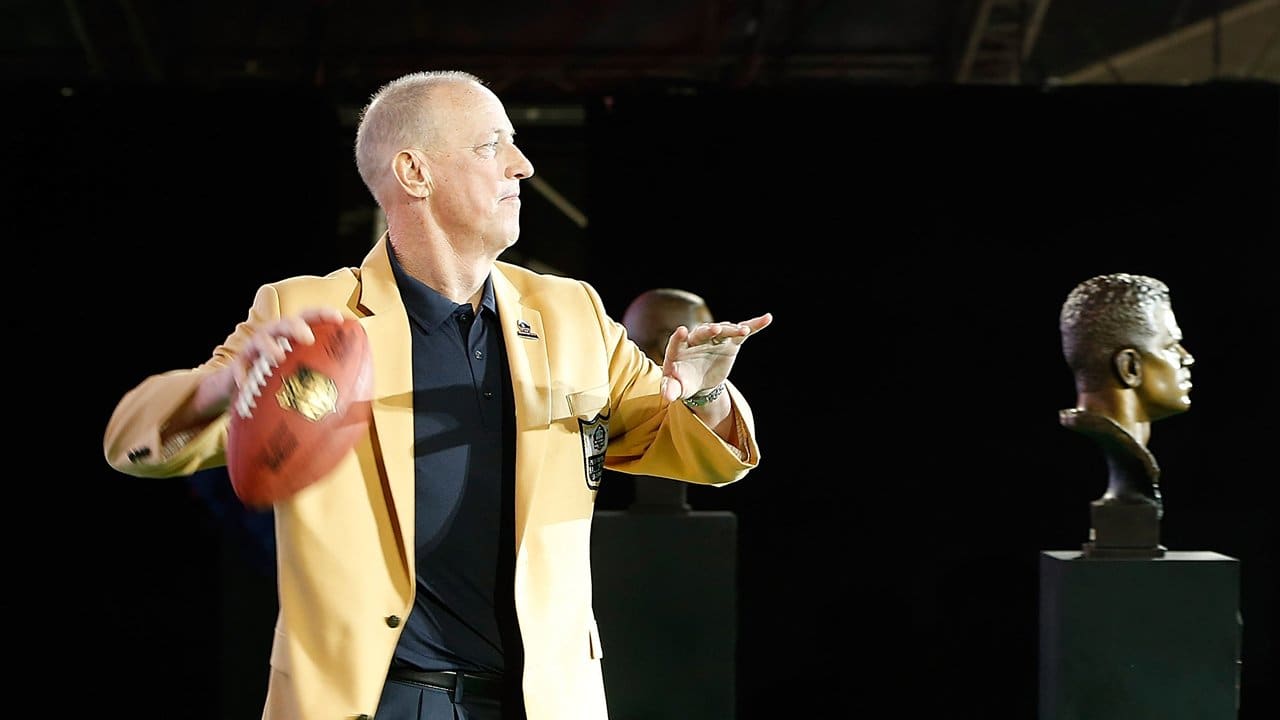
(702, 397)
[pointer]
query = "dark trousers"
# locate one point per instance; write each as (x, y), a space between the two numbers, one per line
(410, 701)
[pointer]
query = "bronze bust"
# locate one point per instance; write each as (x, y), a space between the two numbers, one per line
(1123, 345)
(650, 319)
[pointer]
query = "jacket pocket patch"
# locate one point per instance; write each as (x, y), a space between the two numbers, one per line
(595, 439)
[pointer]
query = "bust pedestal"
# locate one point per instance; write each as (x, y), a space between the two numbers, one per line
(1124, 530)
(1138, 638)
(665, 595)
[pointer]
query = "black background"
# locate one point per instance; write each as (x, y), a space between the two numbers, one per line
(914, 244)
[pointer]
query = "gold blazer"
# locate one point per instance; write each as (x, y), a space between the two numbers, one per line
(345, 550)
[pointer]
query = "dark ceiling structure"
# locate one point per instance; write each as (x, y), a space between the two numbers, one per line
(549, 60)
(567, 49)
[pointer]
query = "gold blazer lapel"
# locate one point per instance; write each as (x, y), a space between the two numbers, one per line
(387, 325)
(524, 335)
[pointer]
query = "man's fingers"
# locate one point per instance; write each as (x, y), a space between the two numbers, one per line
(758, 323)
(717, 333)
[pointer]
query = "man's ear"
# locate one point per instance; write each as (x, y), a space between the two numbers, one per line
(1127, 364)
(411, 171)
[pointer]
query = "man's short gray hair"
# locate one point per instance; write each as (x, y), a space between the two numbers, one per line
(396, 117)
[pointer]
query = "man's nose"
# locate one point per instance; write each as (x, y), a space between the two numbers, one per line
(521, 166)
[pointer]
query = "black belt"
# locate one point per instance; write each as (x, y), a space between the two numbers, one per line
(459, 685)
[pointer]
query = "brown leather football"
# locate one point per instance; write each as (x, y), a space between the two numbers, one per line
(290, 425)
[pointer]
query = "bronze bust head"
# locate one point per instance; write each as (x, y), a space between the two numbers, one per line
(1123, 345)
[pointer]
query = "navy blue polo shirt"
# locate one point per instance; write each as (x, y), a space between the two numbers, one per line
(463, 617)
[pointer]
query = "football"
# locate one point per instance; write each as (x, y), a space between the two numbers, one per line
(291, 424)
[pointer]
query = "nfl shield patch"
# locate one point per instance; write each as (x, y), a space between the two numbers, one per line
(595, 438)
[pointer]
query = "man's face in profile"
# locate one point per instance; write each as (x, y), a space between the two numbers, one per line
(1166, 368)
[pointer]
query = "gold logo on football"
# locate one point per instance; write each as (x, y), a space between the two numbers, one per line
(309, 393)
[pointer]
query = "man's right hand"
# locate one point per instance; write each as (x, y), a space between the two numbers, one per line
(216, 391)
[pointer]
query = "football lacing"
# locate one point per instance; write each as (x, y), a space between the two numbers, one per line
(251, 390)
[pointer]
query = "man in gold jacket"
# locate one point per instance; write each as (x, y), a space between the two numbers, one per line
(437, 151)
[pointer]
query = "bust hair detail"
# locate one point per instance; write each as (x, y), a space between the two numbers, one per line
(1106, 314)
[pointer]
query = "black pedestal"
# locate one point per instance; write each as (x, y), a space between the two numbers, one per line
(1139, 639)
(665, 594)
(1124, 530)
